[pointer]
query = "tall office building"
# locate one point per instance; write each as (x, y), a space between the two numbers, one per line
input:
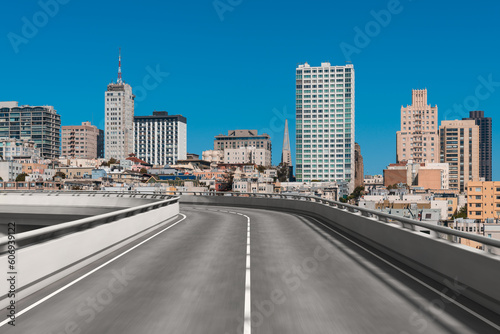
(119, 115)
(160, 139)
(325, 123)
(485, 132)
(286, 154)
(418, 139)
(80, 141)
(459, 141)
(40, 124)
(100, 144)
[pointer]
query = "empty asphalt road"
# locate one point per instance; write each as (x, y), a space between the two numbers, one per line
(220, 269)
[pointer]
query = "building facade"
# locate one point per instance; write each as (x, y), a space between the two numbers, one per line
(418, 138)
(247, 155)
(160, 139)
(485, 145)
(248, 143)
(80, 141)
(119, 116)
(242, 138)
(40, 124)
(459, 147)
(325, 123)
(483, 200)
(100, 144)
(11, 148)
(10, 169)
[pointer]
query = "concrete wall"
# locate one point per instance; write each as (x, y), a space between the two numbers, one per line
(77, 200)
(438, 259)
(42, 264)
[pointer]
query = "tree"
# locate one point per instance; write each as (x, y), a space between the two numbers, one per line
(21, 177)
(358, 192)
(261, 168)
(462, 213)
(283, 172)
(60, 174)
(143, 171)
(1, 179)
(112, 161)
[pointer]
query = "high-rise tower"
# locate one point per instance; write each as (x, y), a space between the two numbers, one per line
(418, 139)
(119, 115)
(485, 133)
(459, 141)
(325, 123)
(286, 155)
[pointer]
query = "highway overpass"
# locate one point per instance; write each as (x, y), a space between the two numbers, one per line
(256, 264)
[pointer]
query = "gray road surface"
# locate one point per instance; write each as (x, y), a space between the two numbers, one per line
(191, 279)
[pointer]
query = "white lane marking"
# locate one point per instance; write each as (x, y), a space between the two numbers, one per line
(247, 328)
(247, 325)
(88, 274)
(463, 307)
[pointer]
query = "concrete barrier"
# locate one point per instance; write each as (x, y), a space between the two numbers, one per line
(42, 264)
(476, 271)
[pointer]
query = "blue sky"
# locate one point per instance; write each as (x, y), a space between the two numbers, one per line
(234, 67)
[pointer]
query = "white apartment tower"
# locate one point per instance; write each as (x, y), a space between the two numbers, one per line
(325, 123)
(418, 139)
(160, 139)
(119, 115)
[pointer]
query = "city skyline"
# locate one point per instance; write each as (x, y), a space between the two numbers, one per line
(452, 74)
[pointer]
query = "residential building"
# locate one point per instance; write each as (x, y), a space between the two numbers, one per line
(76, 172)
(422, 175)
(160, 139)
(434, 176)
(244, 146)
(245, 155)
(483, 200)
(80, 141)
(485, 146)
(325, 133)
(39, 124)
(119, 119)
(418, 138)
(11, 148)
(216, 156)
(452, 204)
(10, 169)
(459, 147)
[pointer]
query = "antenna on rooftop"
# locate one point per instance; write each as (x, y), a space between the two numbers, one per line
(120, 66)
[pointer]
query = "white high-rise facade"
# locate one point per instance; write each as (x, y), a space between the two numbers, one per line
(119, 115)
(325, 123)
(160, 139)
